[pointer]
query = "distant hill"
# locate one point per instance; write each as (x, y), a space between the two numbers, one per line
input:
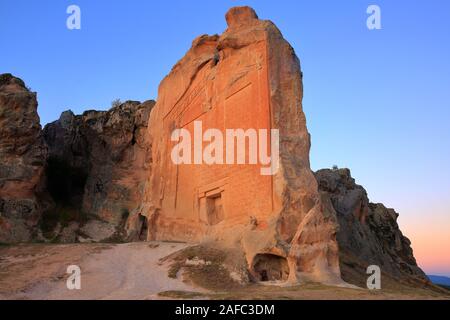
(440, 280)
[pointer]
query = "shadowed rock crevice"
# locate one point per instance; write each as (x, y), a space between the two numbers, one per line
(65, 183)
(143, 233)
(97, 162)
(269, 267)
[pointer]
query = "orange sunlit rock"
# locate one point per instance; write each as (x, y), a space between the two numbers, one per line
(248, 77)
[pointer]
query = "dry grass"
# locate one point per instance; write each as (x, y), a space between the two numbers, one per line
(212, 274)
(220, 285)
(310, 291)
(322, 292)
(182, 295)
(23, 265)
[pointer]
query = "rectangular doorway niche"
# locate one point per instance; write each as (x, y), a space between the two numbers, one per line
(214, 209)
(211, 204)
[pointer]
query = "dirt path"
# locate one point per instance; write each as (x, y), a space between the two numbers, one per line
(119, 271)
(133, 271)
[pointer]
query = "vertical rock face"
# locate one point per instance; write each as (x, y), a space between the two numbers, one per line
(368, 233)
(98, 161)
(291, 226)
(23, 157)
(247, 78)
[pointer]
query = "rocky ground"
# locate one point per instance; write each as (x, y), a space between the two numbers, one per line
(118, 271)
(145, 270)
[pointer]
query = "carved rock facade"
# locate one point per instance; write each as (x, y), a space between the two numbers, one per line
(247, 78)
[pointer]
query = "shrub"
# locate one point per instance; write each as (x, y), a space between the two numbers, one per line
(116, 103)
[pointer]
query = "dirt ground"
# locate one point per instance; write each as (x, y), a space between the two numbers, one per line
(135, 271)
(108, 271)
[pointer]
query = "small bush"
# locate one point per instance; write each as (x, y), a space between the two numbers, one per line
(116, 103)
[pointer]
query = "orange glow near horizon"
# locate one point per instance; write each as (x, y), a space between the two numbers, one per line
(428, 229)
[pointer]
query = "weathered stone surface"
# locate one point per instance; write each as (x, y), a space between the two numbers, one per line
(22, 161)
(97, 231)
(68, 234)
(368, 233)
(292, 226)
(99, 160)
(248, 77)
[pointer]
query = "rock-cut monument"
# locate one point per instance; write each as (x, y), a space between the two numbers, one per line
(249, 78)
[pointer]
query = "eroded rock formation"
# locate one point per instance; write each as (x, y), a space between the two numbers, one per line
(97, 169)
(248, 77)
(23, 155)
(368, 232)
(98, 161)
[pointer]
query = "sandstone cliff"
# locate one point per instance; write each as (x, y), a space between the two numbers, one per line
(96, 170)
(368, 232)
(23, 155)
(98, 162)
(248, 77)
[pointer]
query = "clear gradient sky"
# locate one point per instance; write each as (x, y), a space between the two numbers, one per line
(376, 101)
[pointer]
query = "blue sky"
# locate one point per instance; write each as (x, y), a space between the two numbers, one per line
(376, 101)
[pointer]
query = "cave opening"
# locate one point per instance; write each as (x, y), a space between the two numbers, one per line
(270, 267)
(66, 182)
(144, 228)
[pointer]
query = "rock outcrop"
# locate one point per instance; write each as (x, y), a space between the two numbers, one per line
(368, 232)
(23, 155)
(95, 176)
(247, 78)
(98, 161)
